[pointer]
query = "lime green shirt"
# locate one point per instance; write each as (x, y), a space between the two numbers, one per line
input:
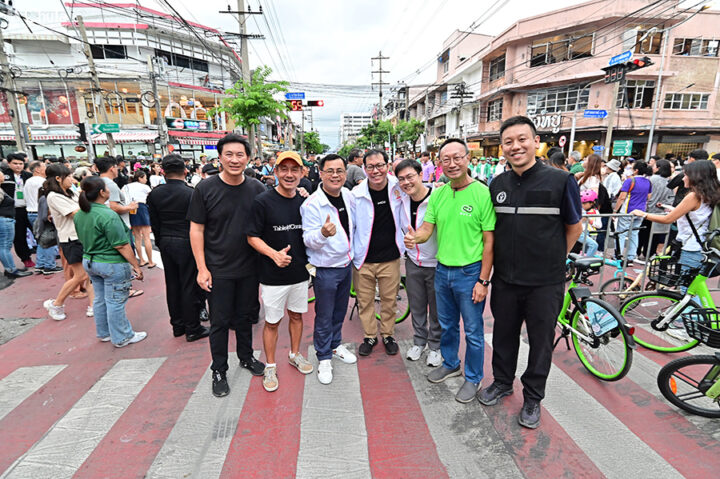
(460, 218)
(100, 231)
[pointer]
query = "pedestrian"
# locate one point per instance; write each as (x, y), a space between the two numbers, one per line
(13, 183)
(634, 195)
(137, 191)
(575, 162)
(156, 177)
(650, 244)
(122, 178)
(167, 209)
(355, 173)
(109, 260)
(463, 215)
(538, 222)
(328, 221)
(7, 234)
(45, 257)
(62, 204)
(268, 172)
(275, 232)
(420, 263)
(314, 172)
(219, 214)
(377, 246)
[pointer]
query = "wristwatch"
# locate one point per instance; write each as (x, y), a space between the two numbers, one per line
(484, 282)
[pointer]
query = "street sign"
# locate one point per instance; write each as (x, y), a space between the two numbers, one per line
(622, 148)
(105, 128)
(298, 95)
(623, 57)
(598, 148)
(561, 141)
(595, 113)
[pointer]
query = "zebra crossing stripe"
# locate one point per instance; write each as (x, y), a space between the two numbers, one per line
(21, 383)
(333, 437)
(73, 438)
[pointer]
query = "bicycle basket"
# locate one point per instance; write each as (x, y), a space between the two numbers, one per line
(703, 325)
(666, 271)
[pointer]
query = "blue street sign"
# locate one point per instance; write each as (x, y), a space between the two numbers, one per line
(623, 57)
(595, 113)
(300, 95)
(598, 148)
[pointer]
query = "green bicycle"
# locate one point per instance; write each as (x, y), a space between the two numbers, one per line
(600, 336)
(655, 315)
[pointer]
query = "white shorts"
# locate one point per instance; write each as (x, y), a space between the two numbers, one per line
(293, 297)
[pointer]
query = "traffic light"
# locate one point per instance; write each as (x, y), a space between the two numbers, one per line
(638, 63)
(315, 103)
(295, 105)
(615, 73)
(83, 132)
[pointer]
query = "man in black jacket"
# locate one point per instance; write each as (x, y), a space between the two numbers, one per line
(13, 182)
(168, 205)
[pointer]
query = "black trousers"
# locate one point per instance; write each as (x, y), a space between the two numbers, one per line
(181, 289)
(231, 307)
(538, 307)
(22, 223)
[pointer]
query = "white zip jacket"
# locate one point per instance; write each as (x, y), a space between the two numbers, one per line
(423, 255)
(365, 216)
(334, 251)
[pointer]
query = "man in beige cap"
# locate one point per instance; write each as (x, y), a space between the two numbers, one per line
(275, 231)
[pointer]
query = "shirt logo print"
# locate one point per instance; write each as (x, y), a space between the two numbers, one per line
(501, 197)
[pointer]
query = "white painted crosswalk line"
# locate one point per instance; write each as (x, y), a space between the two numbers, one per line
(201, 437)
(21, 383)
(614, 449)
(73, 438)
(333, 437)
(466, 441)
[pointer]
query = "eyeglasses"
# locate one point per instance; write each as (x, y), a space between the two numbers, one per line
(378, 167)
(331, 172)
(410, 177)
(455, 159)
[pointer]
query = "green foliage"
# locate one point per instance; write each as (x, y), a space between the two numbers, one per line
(312, 143)
(378, 132)
(410, 131)
(325, 148)
(345, 150)
(248, 102)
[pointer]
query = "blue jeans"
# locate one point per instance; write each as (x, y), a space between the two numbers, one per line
(112, 289)
(689, 260)
(453, 291)
(624, 224)
(45, 256)
(590, 246)
(7, 235)
(332, 293)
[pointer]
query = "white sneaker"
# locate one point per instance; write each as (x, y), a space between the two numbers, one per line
(105, 339)
(89, 312)
(56, 312)
(344, 355)
(325, 371)
(415, 352)
(434, 358)
(137, 337)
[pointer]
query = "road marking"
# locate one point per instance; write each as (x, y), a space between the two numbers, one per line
(68, 444)
(21, 383)
(199, 442)
(333, 437)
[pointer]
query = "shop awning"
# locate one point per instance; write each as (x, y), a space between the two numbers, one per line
(197, 141)
(36, 137)
(196, 137)
(127, 137)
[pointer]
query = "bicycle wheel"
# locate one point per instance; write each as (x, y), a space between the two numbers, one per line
(608, 356)
(402, 307)
(684, 382)
(640, 310)
(311, 291)
(616, 285)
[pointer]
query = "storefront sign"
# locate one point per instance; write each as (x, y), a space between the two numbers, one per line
(185, 124)
(473, 145)
(547, 121)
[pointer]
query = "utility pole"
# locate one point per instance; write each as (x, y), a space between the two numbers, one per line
(159, 117)
(380, 83)
(611, 120)
(9, 89)
(302, 135)
(461, 93)
(96, 82)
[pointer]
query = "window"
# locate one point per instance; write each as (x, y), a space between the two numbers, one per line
(686, 101)
(560, 49)
(636, 94)
(183, 61)
(494, 112)
(696, 47)
(555, 100)
(445, 60)
(100, 52)
(497, 68)
(650, 45)
(443, 97)
(474, 115)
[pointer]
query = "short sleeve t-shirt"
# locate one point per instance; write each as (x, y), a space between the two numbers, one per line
(339, 204)
(100, 231)
(414, 205)
(30, 190)
(382, 239)
(639, 194)
(277, 221)
(460, 218)
(427, 171)
(61, 207)
(225, 210)
(117, 196)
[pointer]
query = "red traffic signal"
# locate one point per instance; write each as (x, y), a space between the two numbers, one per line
(315, 103)
(638, 63)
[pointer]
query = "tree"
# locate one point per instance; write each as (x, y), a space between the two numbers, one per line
(312, 143)
(377, 133)
(346, 148)
(248, 102)
(410, 131)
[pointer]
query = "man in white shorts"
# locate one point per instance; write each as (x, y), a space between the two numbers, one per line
(276, 233)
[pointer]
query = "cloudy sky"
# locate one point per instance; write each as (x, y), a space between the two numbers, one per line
(330, 42)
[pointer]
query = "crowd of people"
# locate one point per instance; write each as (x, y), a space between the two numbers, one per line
(239, 238)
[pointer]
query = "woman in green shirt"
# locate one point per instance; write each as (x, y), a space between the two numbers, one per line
(109, 260)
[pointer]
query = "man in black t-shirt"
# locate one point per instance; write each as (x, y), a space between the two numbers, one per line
(276, 233)
(219, 214)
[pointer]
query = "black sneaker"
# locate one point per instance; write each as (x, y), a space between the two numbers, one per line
(530, 414)
(253, 365)
(391, 346)
(18, 273)
(367, 346)
(53, 270)
(220, 386)
(203, 332)
(493, 393)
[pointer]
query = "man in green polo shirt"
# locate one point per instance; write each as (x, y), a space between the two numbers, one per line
(464, 216)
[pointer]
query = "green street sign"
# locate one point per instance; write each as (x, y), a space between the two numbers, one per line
(622, 148)
(105, 128)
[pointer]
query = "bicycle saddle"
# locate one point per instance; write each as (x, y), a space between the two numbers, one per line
(584, 264)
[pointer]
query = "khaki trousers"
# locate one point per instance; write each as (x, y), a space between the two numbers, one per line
(387, 277)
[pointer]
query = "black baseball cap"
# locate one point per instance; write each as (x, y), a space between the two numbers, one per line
(173, 162)
(210, 169)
